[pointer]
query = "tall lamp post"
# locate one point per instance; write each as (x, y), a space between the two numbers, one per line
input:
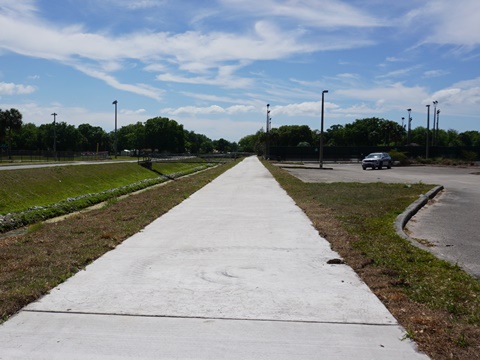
(436, 136)
(321, 132)
(115, 141)
(55, 135)
(428, 130)
(267, 129)
(409, 126)
(433, 124)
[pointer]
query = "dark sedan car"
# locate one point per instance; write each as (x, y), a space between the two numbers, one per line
(377, 161)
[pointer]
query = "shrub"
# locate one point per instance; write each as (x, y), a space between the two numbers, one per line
(400, 157)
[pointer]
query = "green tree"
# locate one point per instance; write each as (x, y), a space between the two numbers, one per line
(223, 145)
(197, 143)
(334, 136)
(292, 135)
(470, 138)
(27, 137)
(364, 132)
(163, 134)
(131, 137)
(10, 123)
(93, 138)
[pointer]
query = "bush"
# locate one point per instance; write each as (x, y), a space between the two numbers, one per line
(469, 155)
(400, 157)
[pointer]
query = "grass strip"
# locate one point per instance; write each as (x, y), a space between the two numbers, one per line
(437, 303)
(93, 178)
(32, 264)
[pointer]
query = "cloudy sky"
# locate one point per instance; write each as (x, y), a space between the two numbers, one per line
(213, 65)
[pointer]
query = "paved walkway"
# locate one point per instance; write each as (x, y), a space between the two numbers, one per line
(236, 271)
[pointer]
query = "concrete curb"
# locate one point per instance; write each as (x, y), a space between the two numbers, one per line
(410, 211)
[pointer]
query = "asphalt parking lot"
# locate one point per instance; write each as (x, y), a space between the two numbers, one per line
(449, 223)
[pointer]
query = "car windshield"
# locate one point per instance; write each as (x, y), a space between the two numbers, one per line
(374, 156)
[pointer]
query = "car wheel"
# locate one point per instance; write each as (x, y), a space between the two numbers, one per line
(364, 167)
(389, 166)
(380, 166)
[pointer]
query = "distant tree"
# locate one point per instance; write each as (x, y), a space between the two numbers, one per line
(292, 135)
(470, 138)
(27, 138)
(249, 143)
(10, 123)
(131, 137)
(197, 143)
(335, 136)
(224, 146)
(163, 134)
(93, 137)
(364, 132)
(392, 132)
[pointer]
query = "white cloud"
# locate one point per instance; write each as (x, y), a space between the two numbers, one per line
(194, 52)
(327, 13)
(435, 73)
(394, 96)
(15, 89)
(209, 110)
(308, 109)
(140, 89)
(449, 22)
(194, 110)
(399, 72)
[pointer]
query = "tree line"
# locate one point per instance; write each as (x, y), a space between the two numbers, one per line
(158, 134)
(362, 132)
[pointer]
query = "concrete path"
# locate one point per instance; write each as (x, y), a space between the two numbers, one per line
(236, 271)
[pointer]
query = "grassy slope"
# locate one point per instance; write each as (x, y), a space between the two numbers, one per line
(24, 188)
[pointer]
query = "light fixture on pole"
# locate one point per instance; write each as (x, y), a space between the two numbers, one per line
(433, 124)
(409, 126)
(115, 141)
(321, 132)
(55, 135)
(428, 130)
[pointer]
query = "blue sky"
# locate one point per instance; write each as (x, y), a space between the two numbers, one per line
(213, 65)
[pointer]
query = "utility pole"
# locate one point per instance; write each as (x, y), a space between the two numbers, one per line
(428, 131)
(115, 141)
(55, 136)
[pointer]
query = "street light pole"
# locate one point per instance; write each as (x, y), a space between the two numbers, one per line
(267, 129)
(55, 135)
(115, 141)
(433, 124)
(436, 137)
(409, 126)
(321, 132)
(428, 130)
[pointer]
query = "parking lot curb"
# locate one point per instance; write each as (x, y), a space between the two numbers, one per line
(402, 219)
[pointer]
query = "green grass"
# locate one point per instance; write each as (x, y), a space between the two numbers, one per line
(25, 188)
